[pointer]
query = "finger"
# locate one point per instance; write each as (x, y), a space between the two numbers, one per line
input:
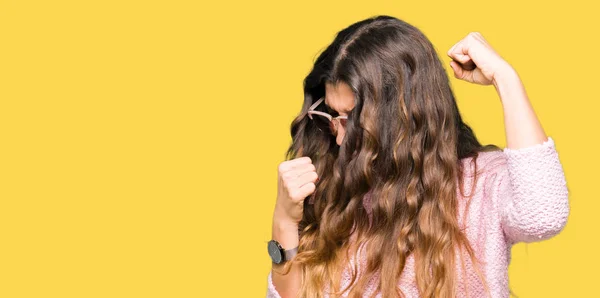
(461, 50)
(457, 47)
(295, 172)
(290, 164)
(306, 190)
(459, 72)
(310, 177)
(469, 65)
(459, 55)
(300, 161)
(451, 50)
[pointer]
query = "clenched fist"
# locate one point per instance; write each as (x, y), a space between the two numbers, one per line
(296, 181)
(475, 61)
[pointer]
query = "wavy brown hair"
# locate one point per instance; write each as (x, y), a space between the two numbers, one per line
(404, 143)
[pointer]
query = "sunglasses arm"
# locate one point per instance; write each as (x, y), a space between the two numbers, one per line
(319, 113)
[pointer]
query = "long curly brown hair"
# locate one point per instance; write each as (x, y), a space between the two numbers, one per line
(404, 143)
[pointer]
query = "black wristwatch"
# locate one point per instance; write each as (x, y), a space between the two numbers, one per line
(278, 254)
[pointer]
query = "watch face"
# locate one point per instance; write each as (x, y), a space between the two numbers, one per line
(274, 252)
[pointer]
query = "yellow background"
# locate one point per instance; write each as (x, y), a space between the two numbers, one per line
(139, 140)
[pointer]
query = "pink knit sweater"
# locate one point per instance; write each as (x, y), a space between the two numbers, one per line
(521, 196)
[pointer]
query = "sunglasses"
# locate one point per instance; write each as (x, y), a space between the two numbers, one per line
(324, 121)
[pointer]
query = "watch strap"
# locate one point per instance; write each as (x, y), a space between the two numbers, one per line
(290, 253)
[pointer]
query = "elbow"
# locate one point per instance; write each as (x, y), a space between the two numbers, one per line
(547, 229)
(540, 223)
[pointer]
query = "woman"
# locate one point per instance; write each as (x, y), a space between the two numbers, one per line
(403, 199)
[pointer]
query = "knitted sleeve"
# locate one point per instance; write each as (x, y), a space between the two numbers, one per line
(271, 292)
(532, 193)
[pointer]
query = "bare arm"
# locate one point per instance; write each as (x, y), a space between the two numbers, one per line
(523, 129)
(285, 285)
(296, 182)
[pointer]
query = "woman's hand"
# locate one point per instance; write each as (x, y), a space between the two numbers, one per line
(477, 62)
(480, 64)
(297, 178)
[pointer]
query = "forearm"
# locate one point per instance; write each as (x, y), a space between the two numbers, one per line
(522, 126)
(287, 285)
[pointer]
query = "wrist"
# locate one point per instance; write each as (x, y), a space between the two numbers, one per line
(508, 86)
(286, 233)
(282, 219)
(506, 75)
(282, 225)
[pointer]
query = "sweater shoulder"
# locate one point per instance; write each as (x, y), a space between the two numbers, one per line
(486, 163)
